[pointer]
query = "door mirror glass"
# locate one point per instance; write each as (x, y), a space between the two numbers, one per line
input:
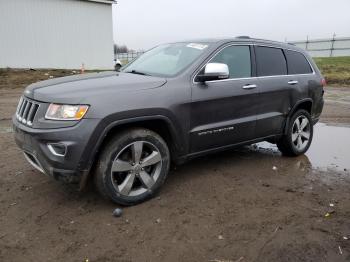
(213, 71)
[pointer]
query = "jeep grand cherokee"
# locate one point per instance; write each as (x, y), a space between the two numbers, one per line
(175, 102)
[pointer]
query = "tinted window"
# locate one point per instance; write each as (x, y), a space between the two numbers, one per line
(297, 63)
(270, 61)
(237, 59)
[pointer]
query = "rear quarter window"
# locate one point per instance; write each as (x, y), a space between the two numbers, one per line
(297, 63)
(270, 61)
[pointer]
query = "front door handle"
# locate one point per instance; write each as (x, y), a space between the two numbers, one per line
(293, 82)
(249, 86)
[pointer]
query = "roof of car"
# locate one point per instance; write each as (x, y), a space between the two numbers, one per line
(102, 1)
(245, 39)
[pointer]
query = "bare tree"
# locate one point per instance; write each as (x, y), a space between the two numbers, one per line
(120, 49)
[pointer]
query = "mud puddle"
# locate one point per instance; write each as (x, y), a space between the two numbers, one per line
(329, 151)
(330, 148)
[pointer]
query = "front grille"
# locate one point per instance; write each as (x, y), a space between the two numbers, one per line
(26, 111)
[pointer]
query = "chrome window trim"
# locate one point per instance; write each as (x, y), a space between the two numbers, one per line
(253, 77)
(213, 55)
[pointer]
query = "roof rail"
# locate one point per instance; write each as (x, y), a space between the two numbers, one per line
(243, 37)
(291, 43)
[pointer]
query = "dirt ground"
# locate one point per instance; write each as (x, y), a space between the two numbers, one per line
(233, 206)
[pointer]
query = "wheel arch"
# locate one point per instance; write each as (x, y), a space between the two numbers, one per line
(160, 124)
(305, 104)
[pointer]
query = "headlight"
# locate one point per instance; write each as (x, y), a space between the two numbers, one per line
(66, 112)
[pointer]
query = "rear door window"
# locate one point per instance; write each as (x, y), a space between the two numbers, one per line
(237, 58)
(270, 61)
(297, 63)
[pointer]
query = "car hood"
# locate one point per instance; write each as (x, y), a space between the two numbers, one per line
(77, 88)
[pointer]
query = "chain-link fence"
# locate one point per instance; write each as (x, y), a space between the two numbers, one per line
(335, 46)
(125, 58)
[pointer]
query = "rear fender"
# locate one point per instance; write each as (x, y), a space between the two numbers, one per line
(293, 110)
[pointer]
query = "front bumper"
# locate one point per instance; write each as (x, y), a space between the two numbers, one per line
(35, 145)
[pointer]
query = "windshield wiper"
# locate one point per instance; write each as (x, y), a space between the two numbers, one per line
(137, 72)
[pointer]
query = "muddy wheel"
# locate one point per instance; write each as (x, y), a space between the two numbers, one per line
(298, 137)
(132, 167)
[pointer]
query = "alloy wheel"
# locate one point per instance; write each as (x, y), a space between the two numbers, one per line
(136, 168)
(301, 133)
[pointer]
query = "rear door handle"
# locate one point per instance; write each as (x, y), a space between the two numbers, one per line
(249, 86)
(293, 82)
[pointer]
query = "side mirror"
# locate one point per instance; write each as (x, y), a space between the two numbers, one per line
(214, 71)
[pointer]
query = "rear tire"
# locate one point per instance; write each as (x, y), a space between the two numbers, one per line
(298, 137)
(132, 167)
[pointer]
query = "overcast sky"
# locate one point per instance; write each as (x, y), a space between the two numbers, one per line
(142, 24)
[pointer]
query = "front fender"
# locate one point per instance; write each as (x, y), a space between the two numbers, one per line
(109, 123)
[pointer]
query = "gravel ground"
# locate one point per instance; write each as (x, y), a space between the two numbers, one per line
(249, 204)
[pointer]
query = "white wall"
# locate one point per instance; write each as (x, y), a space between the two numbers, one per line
(55, 34)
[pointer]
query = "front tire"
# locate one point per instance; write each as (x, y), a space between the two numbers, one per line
(298, 137)
(132, 167)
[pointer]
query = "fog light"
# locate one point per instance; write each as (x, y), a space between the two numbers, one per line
(57, 149)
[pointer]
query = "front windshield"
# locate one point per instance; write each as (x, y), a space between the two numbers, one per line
(166, 60)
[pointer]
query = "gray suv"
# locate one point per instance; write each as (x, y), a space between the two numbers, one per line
(175, 102)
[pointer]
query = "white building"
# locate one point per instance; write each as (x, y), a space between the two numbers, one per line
(56, 34)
